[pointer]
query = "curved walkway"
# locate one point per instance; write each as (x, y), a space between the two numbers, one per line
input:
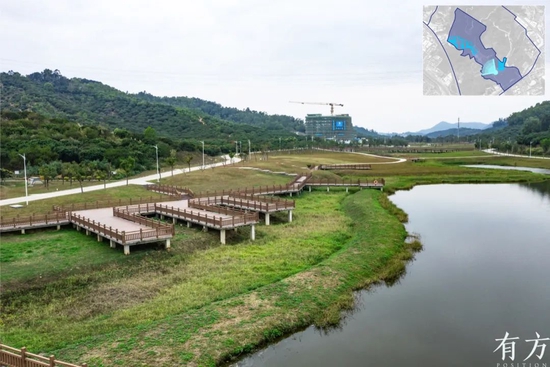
(492, 151)
(135, 181)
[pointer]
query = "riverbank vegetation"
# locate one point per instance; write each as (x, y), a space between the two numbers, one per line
(202, 303)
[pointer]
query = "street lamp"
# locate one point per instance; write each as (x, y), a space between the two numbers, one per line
(25, 169)
(530, 144)
(279, 143)
(236, 147)
(158, 170)
(249, 148)
(202, 154)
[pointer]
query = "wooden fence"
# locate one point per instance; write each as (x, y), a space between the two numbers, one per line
(136, 218)
(121, 236)
(13, 357)
(211, 220)
(33, 220)
(335, 182)
(170, 190)
(109, 203)
(359, 166)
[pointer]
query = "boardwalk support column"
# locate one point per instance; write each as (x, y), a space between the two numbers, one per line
(87, 232)
(99, 239)
(290, 215)
(290, 194)
(347, 189)
(328, 188)
(222, 236)
(167, 245)
(58, 227)
(309, 187)
(252, 232)
(126, 249)
(266, 219)
(22, 231)
(112, 244)
(174, 220)
(188, 224)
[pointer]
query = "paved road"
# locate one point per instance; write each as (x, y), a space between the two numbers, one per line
(492, 151)
(135, 181)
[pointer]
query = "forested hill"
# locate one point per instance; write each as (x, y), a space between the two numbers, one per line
(51, 94)
(247, 116)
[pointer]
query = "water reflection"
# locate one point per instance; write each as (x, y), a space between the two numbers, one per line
(483, 272)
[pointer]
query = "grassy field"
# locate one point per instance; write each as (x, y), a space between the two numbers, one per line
(202, 303)
(13, 189)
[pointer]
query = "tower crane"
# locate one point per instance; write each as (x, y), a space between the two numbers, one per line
(322, 103)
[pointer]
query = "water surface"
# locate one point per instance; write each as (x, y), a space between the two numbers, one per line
(513, 168)
(484, 271)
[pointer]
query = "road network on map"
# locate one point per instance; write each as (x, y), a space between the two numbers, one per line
(483, 50)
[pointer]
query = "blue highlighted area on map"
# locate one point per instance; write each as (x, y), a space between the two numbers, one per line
(465, 35)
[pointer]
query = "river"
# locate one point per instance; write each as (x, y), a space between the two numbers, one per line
(484, 271)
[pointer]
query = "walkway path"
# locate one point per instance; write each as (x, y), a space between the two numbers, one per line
(492, 151)
(135, 181)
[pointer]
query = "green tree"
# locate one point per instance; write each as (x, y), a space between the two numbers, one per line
(188, 159)
(4, 174)
(231, 156)
(81, 171)
(545, 144)
(171, 160)
(127, 165)
(48, 172)
(150, 135)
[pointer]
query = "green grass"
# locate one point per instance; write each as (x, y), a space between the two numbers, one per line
(47, 253)
(202, 303)
(115, 193)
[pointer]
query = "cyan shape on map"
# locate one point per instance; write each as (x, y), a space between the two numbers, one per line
(465, 35)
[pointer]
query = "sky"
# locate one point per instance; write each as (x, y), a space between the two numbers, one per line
(260, 54)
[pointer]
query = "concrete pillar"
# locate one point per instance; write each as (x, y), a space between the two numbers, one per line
(58, 227)
(266, 219)
(328, 188)
(22, 231)
(290, 194)
(290, 216)
(309, 187)
(78, 228)
(161, 217)
(87, 232)
(188, 224)
(112, 244)
(222, 236)
(347, 189)
(174, 220)
(204, 228)
(126, 250)
(99, 239)
(252, 232)
(167, 245)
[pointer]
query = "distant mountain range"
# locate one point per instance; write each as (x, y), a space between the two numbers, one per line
(445, 126)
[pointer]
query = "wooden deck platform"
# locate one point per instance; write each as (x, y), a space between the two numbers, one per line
(34, 221)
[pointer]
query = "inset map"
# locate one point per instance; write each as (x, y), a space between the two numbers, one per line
(483, 50)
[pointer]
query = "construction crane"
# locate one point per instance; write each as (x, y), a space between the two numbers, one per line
(323, 103)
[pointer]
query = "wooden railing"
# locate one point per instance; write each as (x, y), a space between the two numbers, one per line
(34, 219)
(360, 166)
(13, 357)
(136, 218)
(121, 236)
(110, 203)
(170, 190)
(214, 208)
(212, 220)
(335, 182)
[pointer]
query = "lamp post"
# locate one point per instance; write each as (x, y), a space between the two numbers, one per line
(25, 169)
(249, 148)
(236, 147)
(279, 143)
(158, 170)
(202, 154)
(530, 144)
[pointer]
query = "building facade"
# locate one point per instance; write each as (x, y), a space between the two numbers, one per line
(337, 127)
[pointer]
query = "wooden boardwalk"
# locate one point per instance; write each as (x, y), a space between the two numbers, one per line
(125, 224)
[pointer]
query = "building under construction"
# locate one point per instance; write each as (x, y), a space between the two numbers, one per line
(336, 127)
